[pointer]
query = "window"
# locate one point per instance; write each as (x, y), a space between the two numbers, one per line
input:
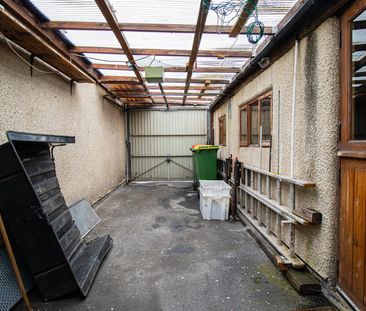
(265, 104)
(358, 105)
(244, 127)
(222, 131)
(353, 79)
(253, 116)
(254, 132)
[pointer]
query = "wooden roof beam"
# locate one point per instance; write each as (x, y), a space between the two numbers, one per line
(143, 104)
(30, 22)
(191, 88)
(164, 52)
(360, 63)
(200, 25)
(154, 88)
(359, 47)
(126, 80)
(111, 19)
(248, 9)
(136, 27)
(137, 95)
(170, 69)
(163, 93)
(170, 101)
(204, 89)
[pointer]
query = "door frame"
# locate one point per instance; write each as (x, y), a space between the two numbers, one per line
(349, 150)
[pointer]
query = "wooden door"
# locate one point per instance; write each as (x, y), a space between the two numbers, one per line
(352, 257)
(352, 226)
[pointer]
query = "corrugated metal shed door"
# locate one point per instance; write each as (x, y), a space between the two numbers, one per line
(160, 142)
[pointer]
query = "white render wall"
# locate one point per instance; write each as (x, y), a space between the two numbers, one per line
(43, 104)
(316, 136)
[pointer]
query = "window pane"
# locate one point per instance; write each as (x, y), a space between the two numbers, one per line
(243, 126)
(222, 131)
(254, 124)
(266, 118)
(358, 107)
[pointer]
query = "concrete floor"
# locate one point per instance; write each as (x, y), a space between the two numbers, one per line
(165, 257)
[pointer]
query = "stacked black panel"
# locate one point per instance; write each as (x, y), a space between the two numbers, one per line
(39, 222)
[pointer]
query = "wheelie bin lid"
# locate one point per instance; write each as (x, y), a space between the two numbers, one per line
(204, 147)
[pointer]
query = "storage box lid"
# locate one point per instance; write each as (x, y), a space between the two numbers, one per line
(204, 147)
(214, 184)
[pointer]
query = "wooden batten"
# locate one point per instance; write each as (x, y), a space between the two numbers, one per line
(23, 36)
(163, 52)
(177, 28)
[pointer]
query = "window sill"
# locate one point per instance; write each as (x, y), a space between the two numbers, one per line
(254, 146)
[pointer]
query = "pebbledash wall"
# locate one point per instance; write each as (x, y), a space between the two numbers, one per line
(316, 136)
(43, 104)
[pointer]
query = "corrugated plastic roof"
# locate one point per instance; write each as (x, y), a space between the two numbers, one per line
(184, 12)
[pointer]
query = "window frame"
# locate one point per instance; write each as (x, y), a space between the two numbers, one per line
(247, 107)
(222, 140)
(346, 73)
(244, 143)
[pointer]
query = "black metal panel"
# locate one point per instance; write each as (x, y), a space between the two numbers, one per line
(55, 139)
(38, 220)
(25, 221)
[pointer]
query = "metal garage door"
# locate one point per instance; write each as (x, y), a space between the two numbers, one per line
(160, 142)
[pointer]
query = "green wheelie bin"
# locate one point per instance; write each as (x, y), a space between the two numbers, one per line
(204, 163)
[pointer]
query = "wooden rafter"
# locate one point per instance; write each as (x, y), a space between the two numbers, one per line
(156, 90)
(360, 63)
(359, 25)
(170, 100)
(31, 27)
(194, 98)
(359, 47)
(163, 93)
(163, 52)
(360, 74)
(176, 28)
(33, 43)
(142, 104)
(120, 79)
(191, 88)
(248, 8)
(129, 95)
(201, 22)
(170, 69)
(111, 19)
(204, 89)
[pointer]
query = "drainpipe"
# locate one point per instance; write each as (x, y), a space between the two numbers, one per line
(260, 146)
(294, 109)
(278, 131)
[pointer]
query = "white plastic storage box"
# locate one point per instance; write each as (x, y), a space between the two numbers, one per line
(214, 188)
(215, 200)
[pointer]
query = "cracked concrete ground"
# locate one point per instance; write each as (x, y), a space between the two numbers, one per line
(165, 257)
